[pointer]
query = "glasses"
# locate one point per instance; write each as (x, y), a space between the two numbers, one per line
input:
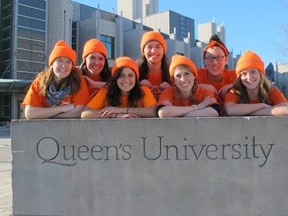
(211, 59)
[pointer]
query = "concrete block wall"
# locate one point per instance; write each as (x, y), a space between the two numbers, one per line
(127, 167)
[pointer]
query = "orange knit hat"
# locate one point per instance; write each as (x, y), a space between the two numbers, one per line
(94, 46)
(153, 36)
(125, 62)
(181, 60)
(61, 49)
(249, 60)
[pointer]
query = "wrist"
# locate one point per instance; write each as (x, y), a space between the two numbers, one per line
(194, 107)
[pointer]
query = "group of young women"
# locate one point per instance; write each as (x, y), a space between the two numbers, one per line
(152, 86)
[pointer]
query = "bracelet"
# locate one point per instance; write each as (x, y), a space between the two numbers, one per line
(116, 115)
(127, 110)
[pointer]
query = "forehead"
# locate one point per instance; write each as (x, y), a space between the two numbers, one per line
(216, 50)
(95, 54)
(127, 70)
(153, 43)
(180, 69)
(250, 70)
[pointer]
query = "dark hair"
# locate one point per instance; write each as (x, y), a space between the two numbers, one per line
(143, 68)
(105, 74)
(114, 93)
(239, 89)
(215, 37)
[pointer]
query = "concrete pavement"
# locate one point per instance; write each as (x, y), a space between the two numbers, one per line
(5, 171)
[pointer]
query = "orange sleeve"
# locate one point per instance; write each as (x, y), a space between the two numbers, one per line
(33, 96)
(155, 78)
(202, 93)
(99, 100)
(230, 97)
(148, 99)
(81, 97)
(276, 96)
(167, 94)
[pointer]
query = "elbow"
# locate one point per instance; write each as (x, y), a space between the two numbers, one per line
(84, 115)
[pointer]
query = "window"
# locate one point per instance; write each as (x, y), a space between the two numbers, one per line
(109, 43)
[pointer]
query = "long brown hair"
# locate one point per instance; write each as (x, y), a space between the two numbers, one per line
(144, 69)
(47, 77)
(264, 86)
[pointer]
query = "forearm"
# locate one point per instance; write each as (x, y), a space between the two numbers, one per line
(144, 112)
(242, 109)
(174, 111)
(75, 113)
(41, 112)
(89, 113)
(272, 111)
(207, 111)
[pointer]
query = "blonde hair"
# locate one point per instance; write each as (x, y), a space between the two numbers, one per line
(47, 77)
(264, 87)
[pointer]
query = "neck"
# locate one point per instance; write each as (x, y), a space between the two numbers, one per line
(253, 93)
(154, 68)
(94, 76)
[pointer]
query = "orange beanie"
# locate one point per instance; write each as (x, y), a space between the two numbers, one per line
(153, 36)
(94, 46)
(249, 60)
(61, 49)
(125, 62)
(181, 60)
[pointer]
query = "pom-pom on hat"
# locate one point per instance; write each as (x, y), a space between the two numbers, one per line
(249, 60)
(181, 60)
(125, 62)
(61, 49)
(152, 36)
(94, 46)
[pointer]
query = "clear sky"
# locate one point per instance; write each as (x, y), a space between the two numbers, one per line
(254, 25)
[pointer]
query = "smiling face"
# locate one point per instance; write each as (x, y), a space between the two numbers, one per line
(184, 80)
(215, 61)
(153, 51)
(62, 67)
(250, 78)
(95, 63)
(126, 80)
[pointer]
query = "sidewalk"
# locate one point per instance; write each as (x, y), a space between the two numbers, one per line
(5, 171)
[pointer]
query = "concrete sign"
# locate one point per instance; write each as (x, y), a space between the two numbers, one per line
(143, 167)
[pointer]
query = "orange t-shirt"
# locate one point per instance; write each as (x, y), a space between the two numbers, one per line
(35, 99)
(94, 91)
(155, 78)
(99, 101)
(170, 95)
(274, 96)
(229, 76)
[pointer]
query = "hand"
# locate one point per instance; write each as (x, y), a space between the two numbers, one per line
(108, 111)
(146, 83)
(208, 100)
(209, 87)
(164, 85)
(222, 92)
(67, 107)
(90, 82)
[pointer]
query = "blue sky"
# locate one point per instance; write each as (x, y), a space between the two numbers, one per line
(254, 25)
